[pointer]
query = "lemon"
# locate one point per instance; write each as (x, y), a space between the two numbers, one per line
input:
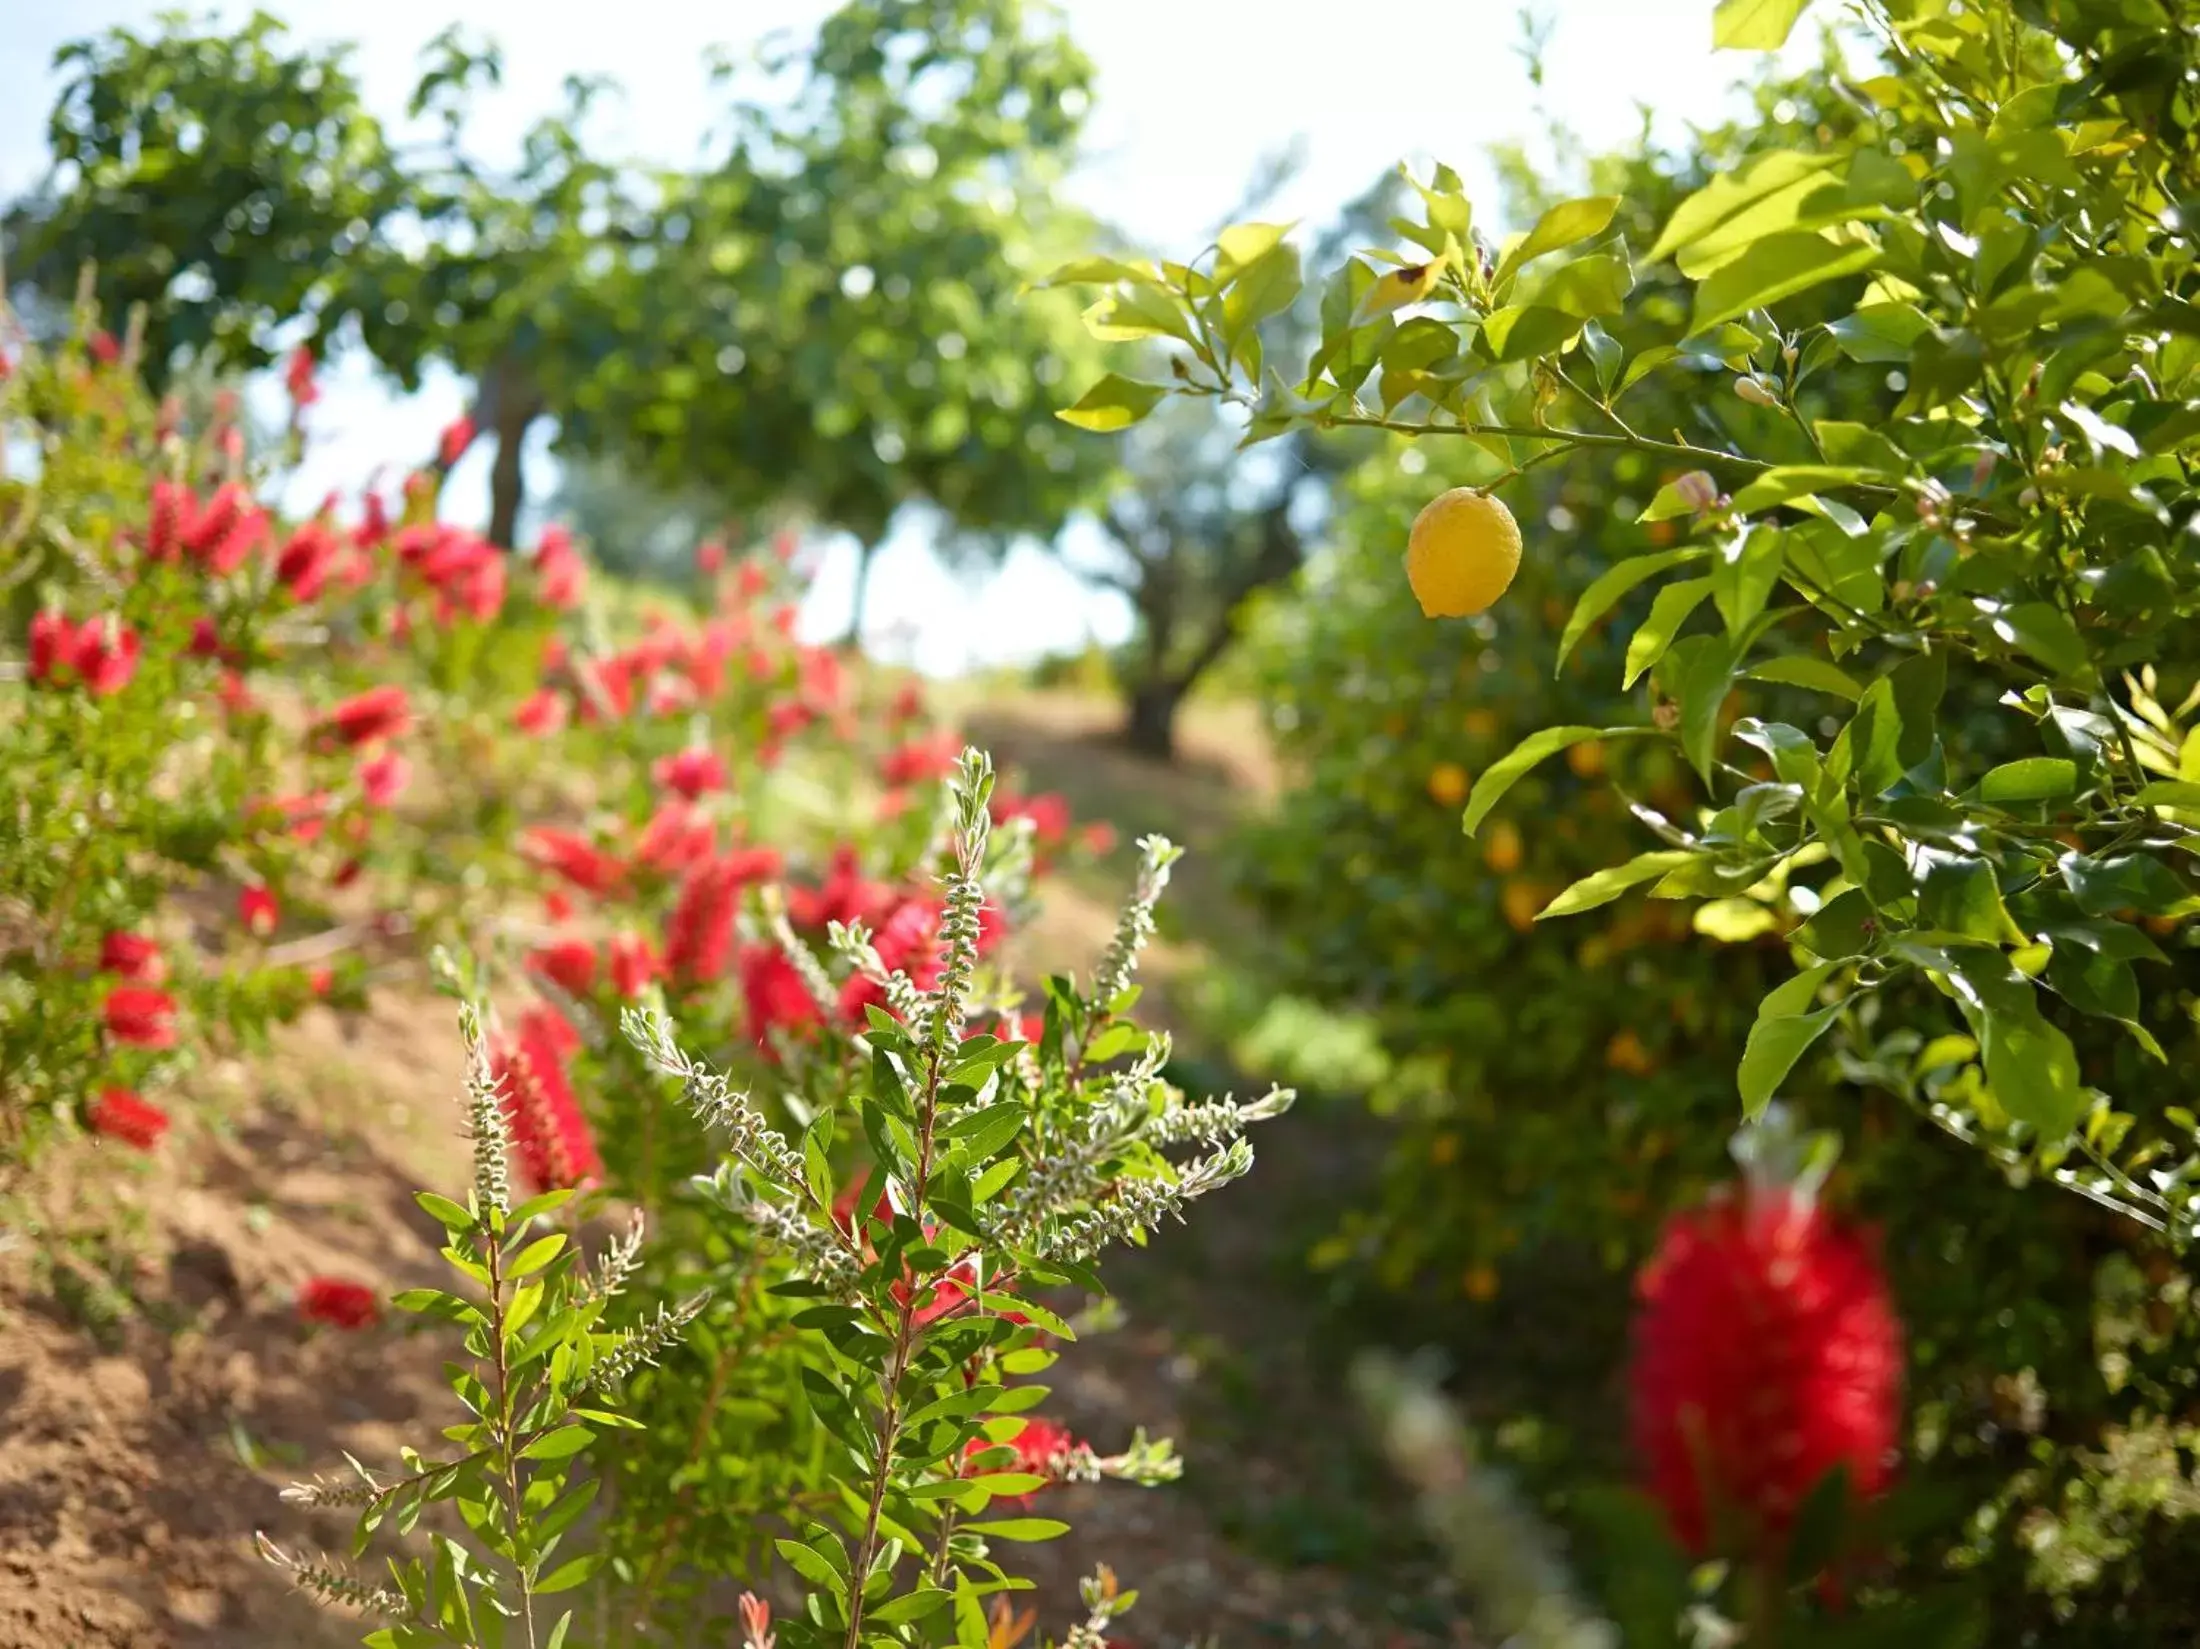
(1503, 849)
(1463, 552)
(1447, 784)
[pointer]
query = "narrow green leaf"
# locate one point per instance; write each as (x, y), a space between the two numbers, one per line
(1667, 614)
(1777, 267)
(1021, 1528)
(1114, 403)
(1610, 587)
(560, 1444)
(1562, 226)
(1507, 771)
(1755, 25)
(536, 1255)
(1801, 670)
(1603, 886)
(452, 1217)
(2035, 779)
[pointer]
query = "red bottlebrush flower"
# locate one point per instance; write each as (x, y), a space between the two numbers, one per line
(822, 677)
(206, 639)
(321, 981)
(305, 817)
(383, 778)
(105, 655)
(754, 864)
(752, 580)
(908, 702)
(1767, 1353)
(677, 837)
(1042, 1448)
(298, 377)
(699, 934)
(541, 714)
(785, 543)
(632, 963)
(222, 534)
(1048, 813)
(141, 1016)
(120, 1114)
(52, 640)
(339, 1303)
(171, 506)
(478, 592)
(920, 761)
(557, 907)
(783, 618)
(560, 573)
(710, 556)
(134, 957)
(374, 521)
(788, 717)
(774, 994)
(573, 857)
(691, 772)
(457, 436)
(607, 687)
(570, 965)
(992, 927)
(303, 565)
(549, 1135)
(379, 713)
(104, 348)
(844, 896)
(257, 910)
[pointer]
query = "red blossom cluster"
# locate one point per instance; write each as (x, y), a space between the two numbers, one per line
(1767, 1353)
(550, 1136)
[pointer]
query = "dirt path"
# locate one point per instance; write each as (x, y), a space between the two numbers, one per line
(156, 1387)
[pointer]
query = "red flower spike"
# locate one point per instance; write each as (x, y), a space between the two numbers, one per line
(257, 910)
(633, 964)
(773, 993)
(339, 1303)
(573, 857)
(120, 1114)
(550, 1137)
(384, 778)
(52, 640)
(692, 772)
(134, 957)
(140, 1016)
(542, 713)
(457, 436)
(379, 713)
(570, 965)
(1767, 1352)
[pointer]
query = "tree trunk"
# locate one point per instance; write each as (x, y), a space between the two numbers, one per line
(865, 555)
(507, 482)
(1150, 729)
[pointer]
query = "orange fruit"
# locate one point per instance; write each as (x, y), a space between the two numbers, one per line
(1480, 1283)
(1587, 759)
(1626, 1054)
(1502, 851)
(1520, 901)
(1462, 553)
(1447, 784)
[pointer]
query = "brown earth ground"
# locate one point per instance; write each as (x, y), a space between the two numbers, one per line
(157, 1388)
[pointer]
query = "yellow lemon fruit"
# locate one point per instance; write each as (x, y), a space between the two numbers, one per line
(1462, 554)
(1480, 1283)
(1503, 850)
(1521, 902)
(1447, 784)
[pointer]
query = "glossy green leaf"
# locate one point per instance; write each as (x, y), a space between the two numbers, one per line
(1777, 267)
(1755, 25)
(1610, 586)
(1668, 612)
(1562, 226)
(1114, 403)
(1603, 886)
(2034, 779)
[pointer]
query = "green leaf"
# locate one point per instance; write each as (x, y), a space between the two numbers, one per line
(817, 1169)
(1962, 895)
(2030, 1064)
(1755, 25)
(1021, 1528)
(1697, 672)
(560, 1444)
(548, 1203)
(926, 1600)
(1244, 244)
(1562, 226)
(1743, 577)
(812, 1567)
(1603, 886)
(453, 1218)
(1114, 403)
(1802, 670)
(1610, 586)
(1523, 332)
(2046, 632)
(1783, 1032)
(2177, 793)
(1879, 332)
(1668, 612)
(1777, 267)
(1669, 502)
(1507, 771)
(2035, 779)
(568, 1575)
(1761, 197)
(1787, 481)
(1587, 287)
(981, 1134)
(536, 1255)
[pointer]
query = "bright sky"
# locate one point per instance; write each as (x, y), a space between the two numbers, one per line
(1191, 93)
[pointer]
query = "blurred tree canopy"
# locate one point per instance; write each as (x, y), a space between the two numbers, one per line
(829, 315)
(833, 314)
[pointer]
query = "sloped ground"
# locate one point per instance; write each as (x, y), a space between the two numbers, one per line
(157, 1388)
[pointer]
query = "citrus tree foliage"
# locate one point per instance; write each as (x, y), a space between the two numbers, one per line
(1886, 702)
(2008, 512)
(830, 316)
(226, 182)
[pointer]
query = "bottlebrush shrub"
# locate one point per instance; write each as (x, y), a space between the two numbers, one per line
(544, 1373)
(1923, 629)
(896, 1248)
